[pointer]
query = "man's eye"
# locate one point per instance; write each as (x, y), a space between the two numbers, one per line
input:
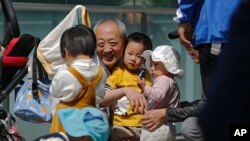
(113, 43)
(100, 45)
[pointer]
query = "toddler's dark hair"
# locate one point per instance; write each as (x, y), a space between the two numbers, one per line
(140, 38)
(78, 40)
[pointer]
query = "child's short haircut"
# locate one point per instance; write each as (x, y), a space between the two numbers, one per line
(78, 40)
(140, 38)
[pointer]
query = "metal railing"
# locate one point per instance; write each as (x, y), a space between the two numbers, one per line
(103, 9)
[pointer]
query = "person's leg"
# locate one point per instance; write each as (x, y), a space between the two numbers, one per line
(120, 133)
(208, 62)
(166, 132)
(145, 135)
(137, 133)
(191, 130)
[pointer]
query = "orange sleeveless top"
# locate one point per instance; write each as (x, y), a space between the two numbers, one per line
(85, 98)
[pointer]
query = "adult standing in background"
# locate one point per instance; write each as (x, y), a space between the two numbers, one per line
(203, 25)
(228, 97)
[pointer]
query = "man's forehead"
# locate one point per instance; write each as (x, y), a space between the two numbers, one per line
(108, 35)
(107, 39)
(108, 31)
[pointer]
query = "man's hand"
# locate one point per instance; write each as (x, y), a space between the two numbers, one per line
(154, 118)
(185, 32)
(137, 101)
(194, 55)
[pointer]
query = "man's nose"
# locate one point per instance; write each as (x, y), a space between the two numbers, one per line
(107, 49)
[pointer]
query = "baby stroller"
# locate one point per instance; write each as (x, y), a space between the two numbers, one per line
(12, 67)
(17, 48)
(8, 127)
(15, 58)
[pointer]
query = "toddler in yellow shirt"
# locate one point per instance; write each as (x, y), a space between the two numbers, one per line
(126, 122)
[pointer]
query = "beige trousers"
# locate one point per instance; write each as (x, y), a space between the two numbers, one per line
(124, 133)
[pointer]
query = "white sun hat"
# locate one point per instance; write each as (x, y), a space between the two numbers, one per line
(168, 56)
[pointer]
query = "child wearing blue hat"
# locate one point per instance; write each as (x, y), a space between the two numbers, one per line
(86, 124)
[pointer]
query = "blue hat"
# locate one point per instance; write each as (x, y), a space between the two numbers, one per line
(88, 121)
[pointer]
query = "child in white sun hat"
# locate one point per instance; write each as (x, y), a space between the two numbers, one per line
(163, 65)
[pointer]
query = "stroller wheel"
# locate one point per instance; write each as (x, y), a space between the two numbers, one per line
(3, 114)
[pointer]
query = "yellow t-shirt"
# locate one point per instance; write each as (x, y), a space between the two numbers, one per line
(123, 78)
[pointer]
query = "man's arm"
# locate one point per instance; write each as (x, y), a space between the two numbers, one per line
(136, 100)
(185, 17)
(186, 11)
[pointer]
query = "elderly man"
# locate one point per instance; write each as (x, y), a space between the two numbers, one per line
(111, 37)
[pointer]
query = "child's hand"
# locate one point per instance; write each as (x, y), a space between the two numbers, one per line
(141, 83)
